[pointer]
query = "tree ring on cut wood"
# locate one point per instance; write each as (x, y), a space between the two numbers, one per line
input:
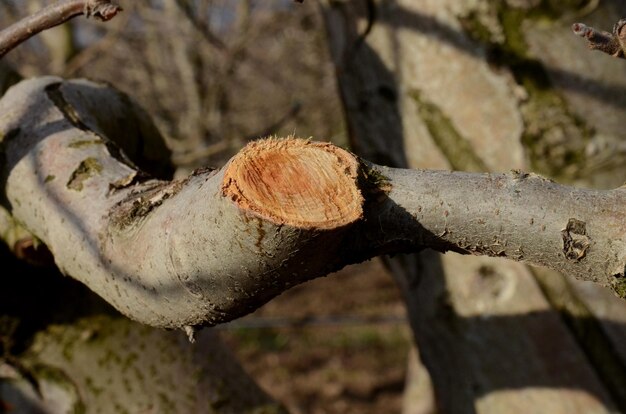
(296, 182)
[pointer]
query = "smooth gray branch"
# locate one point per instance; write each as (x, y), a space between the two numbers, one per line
(519, 216)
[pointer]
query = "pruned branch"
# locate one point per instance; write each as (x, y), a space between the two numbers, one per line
(218, 244)
(54, 15)
(610, 43)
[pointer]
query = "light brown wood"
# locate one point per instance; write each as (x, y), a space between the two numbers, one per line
(296, 182)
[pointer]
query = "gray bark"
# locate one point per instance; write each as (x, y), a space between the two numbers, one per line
(170, 254)
(102, 363)
(519, 216)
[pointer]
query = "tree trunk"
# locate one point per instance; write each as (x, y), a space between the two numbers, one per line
(63, 349)
(8, 77)
(479, 86)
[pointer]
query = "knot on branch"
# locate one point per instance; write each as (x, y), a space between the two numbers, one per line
(575, 239)
(101, 9)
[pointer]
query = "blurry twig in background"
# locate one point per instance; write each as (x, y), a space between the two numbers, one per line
(272, 129)
(200, 24)
(307, 321)
(223, 145)
(208, 98)
(94, 50)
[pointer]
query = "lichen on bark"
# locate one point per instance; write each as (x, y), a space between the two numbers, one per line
(87, 169)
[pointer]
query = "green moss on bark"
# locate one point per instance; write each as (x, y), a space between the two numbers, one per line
(457, 149)
(554, 137)
(85, 170)
(86, 143)
(619, 287)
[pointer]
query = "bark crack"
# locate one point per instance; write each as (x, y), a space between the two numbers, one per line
(55, 94)
(140, 204)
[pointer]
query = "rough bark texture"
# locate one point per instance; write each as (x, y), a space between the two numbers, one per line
(147, 245)
(492, 85)
(525, 217)
(610, 43)
(157, 250)
(218, 244)
(52, 362)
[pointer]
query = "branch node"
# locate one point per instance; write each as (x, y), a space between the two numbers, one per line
(576, 242)
(610, 43)
(190, 331)
(103, 10)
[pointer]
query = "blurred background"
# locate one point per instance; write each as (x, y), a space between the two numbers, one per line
(213, 74)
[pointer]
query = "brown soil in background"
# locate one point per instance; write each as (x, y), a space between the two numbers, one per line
(333, 345)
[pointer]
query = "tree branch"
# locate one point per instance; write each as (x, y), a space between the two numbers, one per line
(218, 244)
(613, 44)
(523, 217)
(54, 15)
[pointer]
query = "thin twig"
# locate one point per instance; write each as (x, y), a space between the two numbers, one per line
(54, 15)
(610, 43)
(273, 128)
(87, 55)
(199, 154)
(200, 25)
(312, 321)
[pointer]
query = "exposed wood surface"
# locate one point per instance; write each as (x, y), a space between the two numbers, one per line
(304, 184)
